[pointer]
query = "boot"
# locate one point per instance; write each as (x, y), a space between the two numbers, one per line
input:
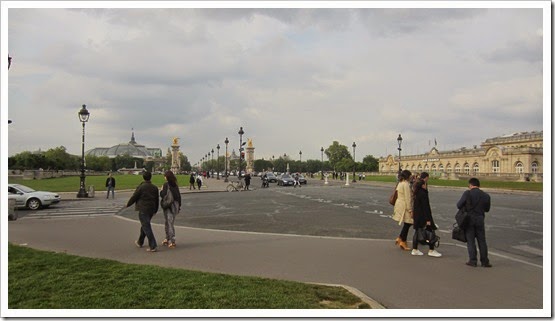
(403, 245)
(397, 240)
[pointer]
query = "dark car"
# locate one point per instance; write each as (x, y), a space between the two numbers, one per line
(285, 180)
(271, 177)
(302, 180)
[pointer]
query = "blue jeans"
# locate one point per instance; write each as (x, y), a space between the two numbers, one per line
(110, 188)
(476, 231)
(146, 230)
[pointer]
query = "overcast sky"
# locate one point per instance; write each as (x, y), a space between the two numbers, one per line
(294, 79)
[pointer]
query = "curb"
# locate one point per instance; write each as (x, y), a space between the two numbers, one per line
(363, 297)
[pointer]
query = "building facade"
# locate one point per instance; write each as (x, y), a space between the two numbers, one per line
(518, 155)
(132, 149)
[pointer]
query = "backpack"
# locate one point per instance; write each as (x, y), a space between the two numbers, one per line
(167, 200)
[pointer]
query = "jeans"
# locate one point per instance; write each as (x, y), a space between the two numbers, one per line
(110, 188)
(146, 230)
(169, 225)
(476, 231)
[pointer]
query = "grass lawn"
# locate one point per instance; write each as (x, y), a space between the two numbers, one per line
(71, 184)
(48, 280)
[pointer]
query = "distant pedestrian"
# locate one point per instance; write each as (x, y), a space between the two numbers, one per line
(199, 182)
(146, 203)
(422, 216)
(479, 202)
(110, 186)
(169, 213)
(402, 211)
(247, 181)
(192, 181)
(297, 182)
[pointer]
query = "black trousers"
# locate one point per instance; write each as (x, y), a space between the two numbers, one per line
(476, 231)
(405, 231)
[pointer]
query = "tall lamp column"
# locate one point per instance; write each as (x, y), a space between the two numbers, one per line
(241, 132)
(322, 166)
(83, 117)
(354, 162)
(226, 142)
(218, 162)
(399, 141)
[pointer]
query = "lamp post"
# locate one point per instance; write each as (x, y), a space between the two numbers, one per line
(322, 167)
(226, 142)
(300, 155)
(218, 162)
(83, 117)
(354, 162)
(241, 132)
(399, 141)
(212, 162)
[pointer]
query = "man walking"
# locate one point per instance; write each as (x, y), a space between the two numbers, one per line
(110, 186)
(146, 203)
(479, 203)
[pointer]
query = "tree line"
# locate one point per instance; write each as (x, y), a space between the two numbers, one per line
(339, 159)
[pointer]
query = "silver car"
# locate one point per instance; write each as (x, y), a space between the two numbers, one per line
(26, 197)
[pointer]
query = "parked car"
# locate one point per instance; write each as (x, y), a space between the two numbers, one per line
(26, 197)
(285, 180)
(271, 177)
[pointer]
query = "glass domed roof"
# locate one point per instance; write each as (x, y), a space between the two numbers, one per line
(132, 149)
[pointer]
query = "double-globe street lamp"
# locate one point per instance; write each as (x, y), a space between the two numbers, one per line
(399, 141)
(354, 162)
(83, 117)
(226, 142)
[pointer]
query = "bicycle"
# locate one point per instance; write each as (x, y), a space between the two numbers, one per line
(236, 186)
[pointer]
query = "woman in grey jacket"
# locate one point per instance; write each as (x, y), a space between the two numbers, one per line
(169, 213)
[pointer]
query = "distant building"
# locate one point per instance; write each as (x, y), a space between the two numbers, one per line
(132, 149)
(518, 155)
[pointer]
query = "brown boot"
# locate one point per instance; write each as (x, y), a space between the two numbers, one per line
(403, 245)
(397, 240)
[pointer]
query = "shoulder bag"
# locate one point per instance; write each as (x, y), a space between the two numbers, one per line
(393, 197)
(458, 233)
(167, 200)
(427, 236)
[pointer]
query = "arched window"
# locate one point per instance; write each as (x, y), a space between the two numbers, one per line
(519, 167)
(412, 168)
(495, 166)
(441, 168)
(466, 168)
(535, 167)
(457, 168)
(449, 169)
(434, 168)
(476, 168)
(426, 168)
(419, 168)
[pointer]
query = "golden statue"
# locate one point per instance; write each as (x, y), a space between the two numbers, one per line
(176, 141)
(249, 143)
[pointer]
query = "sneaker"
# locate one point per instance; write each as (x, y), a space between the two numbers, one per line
(416, 252)
(434, 253)
(138, 244)
(151, 250)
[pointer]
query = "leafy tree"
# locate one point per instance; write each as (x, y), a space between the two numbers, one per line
(313, 166)
(126, 161)
(336, 153)
(262, 165)
(370, 163)
(98, 163)
(185, 164)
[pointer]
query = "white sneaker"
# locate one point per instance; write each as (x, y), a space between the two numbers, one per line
(434, 253)
(416, 252)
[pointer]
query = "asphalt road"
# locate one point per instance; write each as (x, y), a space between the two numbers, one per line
(514, 225)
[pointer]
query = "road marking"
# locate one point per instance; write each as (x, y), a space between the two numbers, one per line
(529, 249)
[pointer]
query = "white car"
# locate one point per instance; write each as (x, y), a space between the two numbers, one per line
(26, 197)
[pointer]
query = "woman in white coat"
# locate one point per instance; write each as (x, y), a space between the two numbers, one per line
(402, 212)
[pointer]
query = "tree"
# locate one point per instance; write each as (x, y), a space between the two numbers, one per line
(313, 166)
(262, 165)
(336, 153)
(185, 164)
(370, 163)
(98, 163)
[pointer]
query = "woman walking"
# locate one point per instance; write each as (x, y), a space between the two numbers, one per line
(402, 212)
(422, 215)
(170, 186)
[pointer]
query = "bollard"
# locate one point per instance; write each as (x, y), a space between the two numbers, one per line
(326, 180)
(347, 180)
(91, 191)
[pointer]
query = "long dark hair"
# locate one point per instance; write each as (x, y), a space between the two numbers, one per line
(172, 180)
(417, 187)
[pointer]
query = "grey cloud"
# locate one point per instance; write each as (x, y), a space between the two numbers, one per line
(528, 50)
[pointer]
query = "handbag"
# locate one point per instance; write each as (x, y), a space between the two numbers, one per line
(458, 233)
(167, 200)
(427, 236)
(462, 218)
(393, 198)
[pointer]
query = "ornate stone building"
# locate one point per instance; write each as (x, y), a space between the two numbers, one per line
(132, 148)
(514, 156)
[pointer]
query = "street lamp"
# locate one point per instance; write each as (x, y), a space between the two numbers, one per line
(322, 166)
(241, 132)
(218, 162)
(300, 155)
(399, 141)
(354, 162)
(83, 117)
(226, 142)
(212, 162)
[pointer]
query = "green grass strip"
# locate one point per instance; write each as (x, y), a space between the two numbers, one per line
(48, 280)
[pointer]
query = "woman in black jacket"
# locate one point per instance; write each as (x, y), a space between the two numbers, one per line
(173, 209)
(422, 216)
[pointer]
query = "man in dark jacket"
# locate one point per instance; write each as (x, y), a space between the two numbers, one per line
(479, 203)
(110, 185)
(146, 203)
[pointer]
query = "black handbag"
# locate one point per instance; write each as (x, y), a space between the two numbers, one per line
(458, 233)
(462, 218)
(427, 236)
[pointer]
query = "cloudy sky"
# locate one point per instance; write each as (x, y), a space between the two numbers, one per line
(295, 79)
